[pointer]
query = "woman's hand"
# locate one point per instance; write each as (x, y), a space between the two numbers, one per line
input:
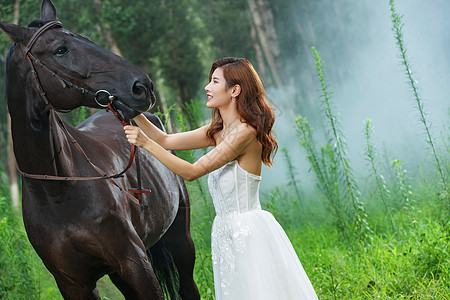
(135, 136)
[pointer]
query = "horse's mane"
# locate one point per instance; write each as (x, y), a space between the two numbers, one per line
(8, 58)
(37, 23)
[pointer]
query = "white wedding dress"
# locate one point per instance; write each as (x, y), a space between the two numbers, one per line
(252, 255)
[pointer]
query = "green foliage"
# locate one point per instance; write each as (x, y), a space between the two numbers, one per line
(333, 171)
(397, 25)
(404, 186)
(201, 223)
(201, 204)
(196, 112)
(16, 262)
(271, 205)
(22, 275)
(350, 188)
(191, 156)
(411, 263)
(324, 165)
(164, 38)
(382, 190)
(79, 115)
(165, 116)
(292, 182)
(3, 118)
(228, 24)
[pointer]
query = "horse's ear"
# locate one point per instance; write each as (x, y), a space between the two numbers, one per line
(48, 11)
(16, 33)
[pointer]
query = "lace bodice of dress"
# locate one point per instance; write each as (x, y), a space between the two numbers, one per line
(234, 190)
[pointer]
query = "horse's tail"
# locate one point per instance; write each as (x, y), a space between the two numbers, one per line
(165, 269)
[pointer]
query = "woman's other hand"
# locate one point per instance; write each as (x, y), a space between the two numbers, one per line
(135, 135)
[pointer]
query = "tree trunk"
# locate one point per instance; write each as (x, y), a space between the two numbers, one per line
(258, 53)
(107, 33)
(114, 48)
(12, 172)
(263, 19)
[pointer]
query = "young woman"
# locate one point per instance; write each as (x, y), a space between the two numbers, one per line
(252, 256)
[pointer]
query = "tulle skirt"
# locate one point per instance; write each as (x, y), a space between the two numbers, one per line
(254, 259)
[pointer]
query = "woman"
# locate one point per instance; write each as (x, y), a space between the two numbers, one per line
(252, 256)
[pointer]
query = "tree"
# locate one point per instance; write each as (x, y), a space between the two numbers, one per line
(105, 28)
(262, 18)
(6, 139)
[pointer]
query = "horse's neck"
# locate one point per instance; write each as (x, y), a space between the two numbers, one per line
(32, 125)
(35, 146)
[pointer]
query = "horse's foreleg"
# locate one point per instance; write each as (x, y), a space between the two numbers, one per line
(135, 271)
(81, 294)
(74, 290)
(179, 242)
(123, 287)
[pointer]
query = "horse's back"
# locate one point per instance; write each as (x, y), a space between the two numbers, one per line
(104, 121)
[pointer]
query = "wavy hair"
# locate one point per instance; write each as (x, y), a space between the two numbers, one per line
(251, 104)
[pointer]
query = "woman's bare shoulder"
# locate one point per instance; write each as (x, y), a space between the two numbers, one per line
(247, 130)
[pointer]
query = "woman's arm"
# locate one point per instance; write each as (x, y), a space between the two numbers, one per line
(188, 140)
(229, 149)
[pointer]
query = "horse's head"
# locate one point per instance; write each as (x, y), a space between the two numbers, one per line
(71, 69)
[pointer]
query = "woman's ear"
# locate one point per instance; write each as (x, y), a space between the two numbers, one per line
(236, 90)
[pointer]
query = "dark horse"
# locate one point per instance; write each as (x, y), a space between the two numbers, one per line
(83, 229)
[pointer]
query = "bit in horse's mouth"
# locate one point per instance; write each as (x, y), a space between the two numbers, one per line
(126, 111)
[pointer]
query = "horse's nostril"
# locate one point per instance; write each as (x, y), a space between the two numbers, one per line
(152, 86)
(139, 89)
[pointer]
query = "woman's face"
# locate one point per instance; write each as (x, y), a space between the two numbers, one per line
(216, 91)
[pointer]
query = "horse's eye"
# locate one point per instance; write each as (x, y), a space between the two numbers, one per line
(61, 51)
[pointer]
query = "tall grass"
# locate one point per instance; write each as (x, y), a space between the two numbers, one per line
(332, 168)
(405, 187)
(191, 156)
(201, 203)
(16, 263)
(397, 26)
(292, 181)
(350, 188)
(324, 165)
(22, 274)
(382, 190)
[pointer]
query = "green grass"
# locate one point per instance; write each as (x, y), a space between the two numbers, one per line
(22, 274)
(409, 264)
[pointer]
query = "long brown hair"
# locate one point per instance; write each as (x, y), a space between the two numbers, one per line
(251, 104)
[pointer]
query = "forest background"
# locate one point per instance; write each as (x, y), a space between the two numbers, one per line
(389, 172)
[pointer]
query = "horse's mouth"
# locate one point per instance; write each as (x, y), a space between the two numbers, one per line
(126, 111)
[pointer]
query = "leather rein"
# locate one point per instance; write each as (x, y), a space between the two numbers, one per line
(110, 106)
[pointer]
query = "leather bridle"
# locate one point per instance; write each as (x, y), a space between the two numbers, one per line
(64, 82)
(109, 106)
